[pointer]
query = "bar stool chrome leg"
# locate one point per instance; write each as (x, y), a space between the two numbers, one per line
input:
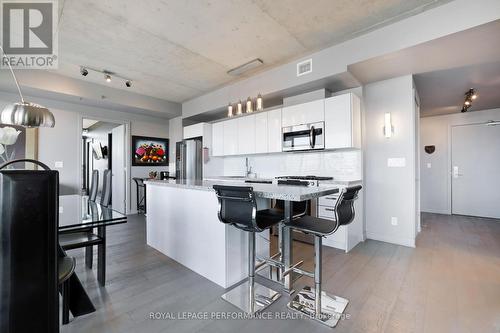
(250, 296)
(315, 303)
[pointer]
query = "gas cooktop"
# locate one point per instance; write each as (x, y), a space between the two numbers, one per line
(305, 177)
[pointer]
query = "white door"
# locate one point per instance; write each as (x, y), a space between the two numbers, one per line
(475, 170)
(118, 171)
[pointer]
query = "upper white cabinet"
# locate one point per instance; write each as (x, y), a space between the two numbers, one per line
(274, 131)
(261, 133)
(343, 121)
(306, 113)
(218, 139)
(246, 135)
(193, 131)
(230, 137)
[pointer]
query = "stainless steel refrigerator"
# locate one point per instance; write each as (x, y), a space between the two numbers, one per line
(189, 159)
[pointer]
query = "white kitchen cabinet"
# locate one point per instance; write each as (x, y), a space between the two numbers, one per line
(305, 113)
(193, 131)
(274, 131)
(246, 135)
(230, 137)
(261, 133)
(343, 121)
(218, 139)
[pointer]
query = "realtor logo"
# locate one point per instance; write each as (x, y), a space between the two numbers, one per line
(29, 33)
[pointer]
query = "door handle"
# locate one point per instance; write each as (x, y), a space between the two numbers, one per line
(312, 137)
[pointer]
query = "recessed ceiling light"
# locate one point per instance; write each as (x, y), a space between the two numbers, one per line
(107, 77)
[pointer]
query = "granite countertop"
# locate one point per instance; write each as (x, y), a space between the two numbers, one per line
(267, 191)
(336, 181)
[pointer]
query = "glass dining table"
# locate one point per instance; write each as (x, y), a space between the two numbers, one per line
(77, 212)
(78, 218)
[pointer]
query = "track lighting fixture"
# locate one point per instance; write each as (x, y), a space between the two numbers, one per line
(108, 75)
(84, 71)
(470, 95)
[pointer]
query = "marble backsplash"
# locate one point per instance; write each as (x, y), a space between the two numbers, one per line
(341, 164)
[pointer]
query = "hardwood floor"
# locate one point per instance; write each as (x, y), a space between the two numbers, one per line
(449, 283)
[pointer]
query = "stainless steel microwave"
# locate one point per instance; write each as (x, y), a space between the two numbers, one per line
(304, 137)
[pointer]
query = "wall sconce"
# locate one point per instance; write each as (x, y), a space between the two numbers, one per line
(388, 129)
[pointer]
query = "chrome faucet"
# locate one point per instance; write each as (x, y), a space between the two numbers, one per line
(247, 167)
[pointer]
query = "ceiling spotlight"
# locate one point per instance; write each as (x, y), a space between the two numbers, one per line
(470, 95)
(107, 77)
(128, 83)
(84, 71)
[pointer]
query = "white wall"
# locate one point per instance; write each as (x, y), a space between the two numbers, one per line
(435, 181)
(63, 142)
(176, 134)
(390, 192)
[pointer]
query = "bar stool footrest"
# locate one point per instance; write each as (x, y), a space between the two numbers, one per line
(239, 297)
(332, 307)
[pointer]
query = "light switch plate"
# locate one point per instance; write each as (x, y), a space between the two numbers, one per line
(61, 209)
(396, 162)
(58, 165)
(429, 165)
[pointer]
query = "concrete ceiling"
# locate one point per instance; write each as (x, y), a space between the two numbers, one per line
(444, 69)
(442, 92)
(176, 50)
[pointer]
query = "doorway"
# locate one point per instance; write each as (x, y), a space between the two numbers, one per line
(475, 181)
(103, 151)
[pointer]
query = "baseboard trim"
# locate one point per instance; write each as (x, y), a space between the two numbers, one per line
(409, 242)
(436, 211)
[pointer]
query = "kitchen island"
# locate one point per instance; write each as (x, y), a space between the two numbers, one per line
(182, 223)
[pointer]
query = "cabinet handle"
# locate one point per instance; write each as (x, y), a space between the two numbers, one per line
(330, 209)
(330, 198)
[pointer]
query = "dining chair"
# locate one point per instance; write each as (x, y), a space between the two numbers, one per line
(66, 267)
(86, 238)
(106, 188)
(94, 186)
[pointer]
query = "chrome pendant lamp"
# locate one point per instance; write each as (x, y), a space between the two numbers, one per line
(25, 114)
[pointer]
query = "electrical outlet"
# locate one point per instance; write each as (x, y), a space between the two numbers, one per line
(394, 221)
(61, 209)
(59, 165)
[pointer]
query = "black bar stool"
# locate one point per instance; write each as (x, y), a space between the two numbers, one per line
(141, 195)
(237, 207)
(312, 301)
